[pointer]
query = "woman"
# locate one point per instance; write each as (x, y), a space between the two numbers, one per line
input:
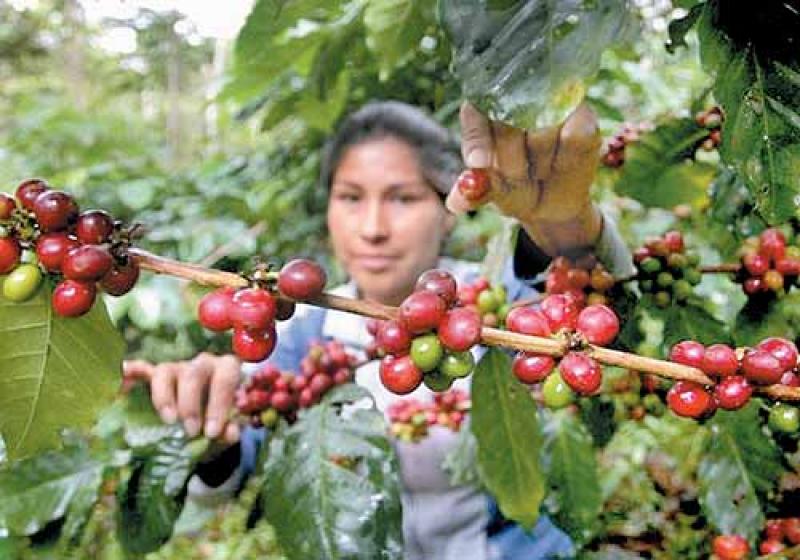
(389, 172)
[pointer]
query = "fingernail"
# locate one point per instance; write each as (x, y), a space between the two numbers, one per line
(212, 428)
(478, 158)
(168, 415)
(192, 426)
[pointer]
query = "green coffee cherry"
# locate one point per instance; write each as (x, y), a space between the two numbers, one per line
(426, 352)
(457, 364)
(22, 283)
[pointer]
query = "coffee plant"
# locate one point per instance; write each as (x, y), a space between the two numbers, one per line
(651, 416)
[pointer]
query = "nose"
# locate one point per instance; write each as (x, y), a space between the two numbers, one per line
(374, 226)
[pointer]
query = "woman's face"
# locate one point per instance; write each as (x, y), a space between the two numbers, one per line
(386, 223)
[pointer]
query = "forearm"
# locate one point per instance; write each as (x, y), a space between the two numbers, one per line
(573, 238)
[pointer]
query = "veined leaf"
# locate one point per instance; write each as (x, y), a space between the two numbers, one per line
(331, 486)
(741, 465)
(505, 423)
(692, 322)
(395, 29)
(40, 489)
(758, 86)
(657, 171)
(572, 476)
(55, 372)
(152, 496)
(517, 60)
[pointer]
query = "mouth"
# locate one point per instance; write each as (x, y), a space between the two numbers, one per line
(374, 263)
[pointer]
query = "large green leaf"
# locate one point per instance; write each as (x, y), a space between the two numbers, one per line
(692, 322)
(757, 321)
(517, 60)
(152, 496)
(576, 496)
(39, 489)
(758, 85)
(56, 373)
(505, 423)
(657, 171)
(331, 486)
(741, 465)
(395, 29)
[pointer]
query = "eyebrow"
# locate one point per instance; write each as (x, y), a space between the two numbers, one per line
(390, 186)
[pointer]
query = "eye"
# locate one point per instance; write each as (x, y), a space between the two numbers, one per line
(349, 197)
(404, 198)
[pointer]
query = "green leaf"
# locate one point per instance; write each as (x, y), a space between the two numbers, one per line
(42, 488)
(657, 171)
(151, 498)
(741, 465)
(57, 372)
(678, 28)
(518, 59)
(395, 29)
(757, 321)
(759, 89)
(572, 476)
(331, 486)
(505, 423)
(692, 322)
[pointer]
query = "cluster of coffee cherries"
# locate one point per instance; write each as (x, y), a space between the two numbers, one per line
(559, 315)
(769, 266)
(773, 361)
(252, 312)
(630, 132)
(271, 394)
(431, 338)
(778, 533)
(474, 185)
(666, 270)
(710, 119)
(731, 547)
(490, 301)
(83, 250)
(587, 282)
(411, 418)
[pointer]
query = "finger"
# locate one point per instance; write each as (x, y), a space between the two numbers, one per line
(162, 391)
(134, 371)
(193, 379)
(542, 145)
(232, 432)
(511, 151)
(457, 204)
(580, 133)
(221, 395)
(476, 138)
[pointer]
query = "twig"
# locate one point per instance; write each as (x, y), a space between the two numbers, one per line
(724, 268)
(489, 336)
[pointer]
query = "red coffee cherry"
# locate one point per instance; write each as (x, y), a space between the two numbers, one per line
(532, 368)
(281, 401)
(421, 312)
(772, 244)
(688, 353)
(94, 227)
(561, 312)
(253, 345)
(393, 338)
(731, 547)
(674, 241)
(582, 373)
(753, 286)
(214, 309)
(755, 264)
(733, 392)
(689, 399)
(527, 320)
(302, 279)
(252, 308)
(773, 529)
(771, 546)
(51, 248)
(7, 206)
(599, 324)
(441, 283)
(28, 191)
(791, 529)
(761, 367)
(399, 374)
(784, 350)
(720, 359)
(460, 329)
(54, 210)
(87, 263)
(10, 253)
(474, 184)
(120, 279)
(73, 299)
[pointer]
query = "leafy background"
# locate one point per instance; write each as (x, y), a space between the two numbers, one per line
(214, 146)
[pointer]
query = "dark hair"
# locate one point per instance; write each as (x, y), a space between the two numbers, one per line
(437, 149)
